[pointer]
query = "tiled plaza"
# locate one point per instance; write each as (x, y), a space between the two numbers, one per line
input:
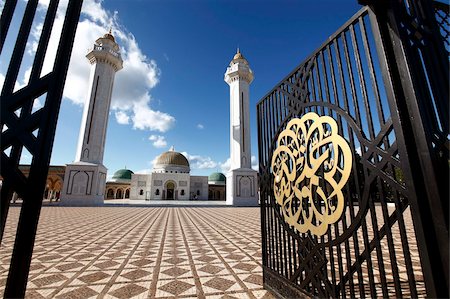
(142, 252)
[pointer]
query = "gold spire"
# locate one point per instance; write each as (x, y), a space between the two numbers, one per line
(109, 35)
(238, 55)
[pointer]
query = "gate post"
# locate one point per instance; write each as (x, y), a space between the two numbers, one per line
(17, 130)
(415, 71)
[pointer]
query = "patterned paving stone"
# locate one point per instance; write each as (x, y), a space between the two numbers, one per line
(36, 266)
(130, 252)
(115, 254)
(93, 277)
(128, 291)
(107, 264)
(79, 293)
(48, 280)
(34, 295)
(175, 271)
(255, 279)
(236, 257)
(211, 269)
(142, 262)
(136, 274)
(51, 257)
(205, 258)
(245, 266)
(69, 266)
(220, 283)
(175, 260)
(176, 287)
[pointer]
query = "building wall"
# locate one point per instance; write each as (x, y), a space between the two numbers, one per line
(216, 192)
(140, 186)
(117, 190)
(160, 181)
(54, 184)
(154, 186)
(199, 187)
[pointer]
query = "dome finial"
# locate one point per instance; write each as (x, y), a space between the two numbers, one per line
(109, 35)
(172, 149)
(238, 54)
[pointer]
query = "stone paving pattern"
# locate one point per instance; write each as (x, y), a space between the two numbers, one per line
(147, 252)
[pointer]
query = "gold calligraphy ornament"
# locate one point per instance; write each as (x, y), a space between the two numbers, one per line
(311, 164)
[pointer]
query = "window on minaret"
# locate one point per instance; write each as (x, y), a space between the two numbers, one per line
(242, 122)
(93, 109)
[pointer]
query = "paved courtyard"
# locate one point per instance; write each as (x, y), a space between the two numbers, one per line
(142, 252)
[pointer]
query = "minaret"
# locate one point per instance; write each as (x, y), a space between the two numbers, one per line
(84, 180)
(241, 179)
(105, 61)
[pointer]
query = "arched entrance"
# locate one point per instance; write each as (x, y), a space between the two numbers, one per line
(170, 190)
(110, 193)
(119, 193)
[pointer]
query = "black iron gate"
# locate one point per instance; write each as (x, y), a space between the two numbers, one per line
(353, 151)
(25, 128)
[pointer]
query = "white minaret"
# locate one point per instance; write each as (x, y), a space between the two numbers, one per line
(85, 179)
(241, 179)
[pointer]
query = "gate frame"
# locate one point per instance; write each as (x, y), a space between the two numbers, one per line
(19, 128)
(429, 177)
(428, 165)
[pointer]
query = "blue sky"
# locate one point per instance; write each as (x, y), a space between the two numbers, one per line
(171, 90)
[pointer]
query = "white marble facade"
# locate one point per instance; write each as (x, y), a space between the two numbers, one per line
(85, 179)
(170, 180)
(241, 179)
(168, 186)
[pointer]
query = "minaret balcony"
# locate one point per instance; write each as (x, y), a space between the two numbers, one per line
(100, 53)
(106, 49)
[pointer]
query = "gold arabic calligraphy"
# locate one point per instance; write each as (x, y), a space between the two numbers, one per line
(311, 164)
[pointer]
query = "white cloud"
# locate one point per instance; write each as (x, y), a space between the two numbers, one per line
(255, 163)
(225, 166)
(37, 104)
(200, 162)
(200, 126)
(144, 171)
(166, 57)
(158, 141)
(146, 118)
(122, 118)
(131, 94)
(36, 33)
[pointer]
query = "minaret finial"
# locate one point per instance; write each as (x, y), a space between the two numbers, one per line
(238, 50)
(110, 28)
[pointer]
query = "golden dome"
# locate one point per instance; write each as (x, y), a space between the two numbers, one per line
(172, 158)
(109, 36)
(238, 55)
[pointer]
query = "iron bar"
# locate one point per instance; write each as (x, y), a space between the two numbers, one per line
(382, 149)
(31, 189)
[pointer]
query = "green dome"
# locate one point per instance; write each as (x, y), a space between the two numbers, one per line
(217, 177)
(123, 174)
